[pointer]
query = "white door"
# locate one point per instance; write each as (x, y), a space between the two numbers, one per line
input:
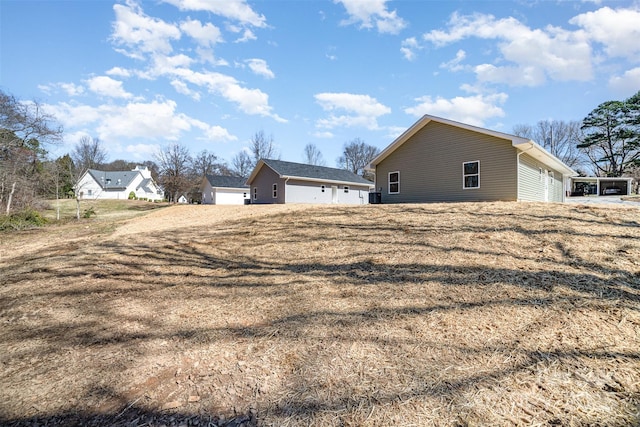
(334, 194)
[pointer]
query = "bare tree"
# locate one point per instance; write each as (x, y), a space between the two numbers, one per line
(313, 156)
(207, 163)
(88, 153)
(174, 170)
(356, 156)
(558, 137)
(24, 129)
(262, 147)
(242, 164)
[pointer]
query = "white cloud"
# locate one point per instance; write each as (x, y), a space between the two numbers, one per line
(372, 13)
(409, 47)
(626, 84)
(454, 64)
(324, 135)
(474, 110)
(71, 89)
(205, 35)
(136, 120)
(533, 55)
(250, 101)
(181, 87)
(617, 29)
(142, 151)
(361, 110)
(260, 67)
(247, 35)
(237, 10)
(219, 134)
(141, 33)
(106, 86)
(119, 72)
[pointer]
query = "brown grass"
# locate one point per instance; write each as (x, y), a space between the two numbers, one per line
(437, 314)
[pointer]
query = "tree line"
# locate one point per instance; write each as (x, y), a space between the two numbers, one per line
(28, 175)
(605, 143)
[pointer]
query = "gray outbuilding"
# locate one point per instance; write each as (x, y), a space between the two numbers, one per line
(277, 181)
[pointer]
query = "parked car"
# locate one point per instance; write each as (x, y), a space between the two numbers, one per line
(612, 190)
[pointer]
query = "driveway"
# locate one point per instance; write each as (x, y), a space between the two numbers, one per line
(604, 200)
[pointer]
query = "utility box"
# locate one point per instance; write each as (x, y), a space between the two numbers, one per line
(375, 198)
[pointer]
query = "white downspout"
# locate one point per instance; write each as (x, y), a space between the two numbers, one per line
(285, 189)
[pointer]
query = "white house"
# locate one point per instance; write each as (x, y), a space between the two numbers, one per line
(277, 181)
(224, 190)
(95, 184)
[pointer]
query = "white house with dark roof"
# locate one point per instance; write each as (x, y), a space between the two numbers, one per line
(96, 184)
(277, 181)
(224, 190)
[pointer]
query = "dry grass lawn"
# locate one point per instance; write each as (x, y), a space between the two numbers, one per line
(434, 314)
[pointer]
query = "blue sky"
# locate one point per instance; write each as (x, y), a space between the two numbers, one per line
(209, 74)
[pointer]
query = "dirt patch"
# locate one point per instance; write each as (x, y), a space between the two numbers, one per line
(441, 314)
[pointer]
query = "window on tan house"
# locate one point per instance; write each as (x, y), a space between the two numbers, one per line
(275, 191)
(255, 193)
(471, 175)
(394, 182)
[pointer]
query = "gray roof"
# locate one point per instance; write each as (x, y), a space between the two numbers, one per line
(318, 173)
(111, 180)
(227, 181)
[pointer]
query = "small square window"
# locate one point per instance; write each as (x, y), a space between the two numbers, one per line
(346, 189)
(471, 175)
(322, 187)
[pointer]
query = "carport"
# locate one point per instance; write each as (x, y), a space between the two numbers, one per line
(600, 186)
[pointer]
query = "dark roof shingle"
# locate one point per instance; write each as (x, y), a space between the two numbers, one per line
(321, 173)
(227, 181)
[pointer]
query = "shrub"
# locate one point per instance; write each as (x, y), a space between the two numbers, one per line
(88, 212)
(132, 196)
(26, 218)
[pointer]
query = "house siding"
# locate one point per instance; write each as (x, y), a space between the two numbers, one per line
(531, 182)
(299, 191)
(430, 166)
(264, 181)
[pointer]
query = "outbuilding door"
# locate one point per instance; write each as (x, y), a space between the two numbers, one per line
(546, 185)
(334, 194)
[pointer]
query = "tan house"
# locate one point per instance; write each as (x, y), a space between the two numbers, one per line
(438, 160)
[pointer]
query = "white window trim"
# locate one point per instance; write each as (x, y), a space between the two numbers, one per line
(552, 179)
(346, 189)
(464, 187)
(322, 188)
(389, 183)
(274, 191)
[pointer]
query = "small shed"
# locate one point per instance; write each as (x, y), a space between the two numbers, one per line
(224, 190)
(277, 181)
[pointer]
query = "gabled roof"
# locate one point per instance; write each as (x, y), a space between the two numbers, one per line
(306, 172)
(227, 181)
(113, 180)
(522, 144)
